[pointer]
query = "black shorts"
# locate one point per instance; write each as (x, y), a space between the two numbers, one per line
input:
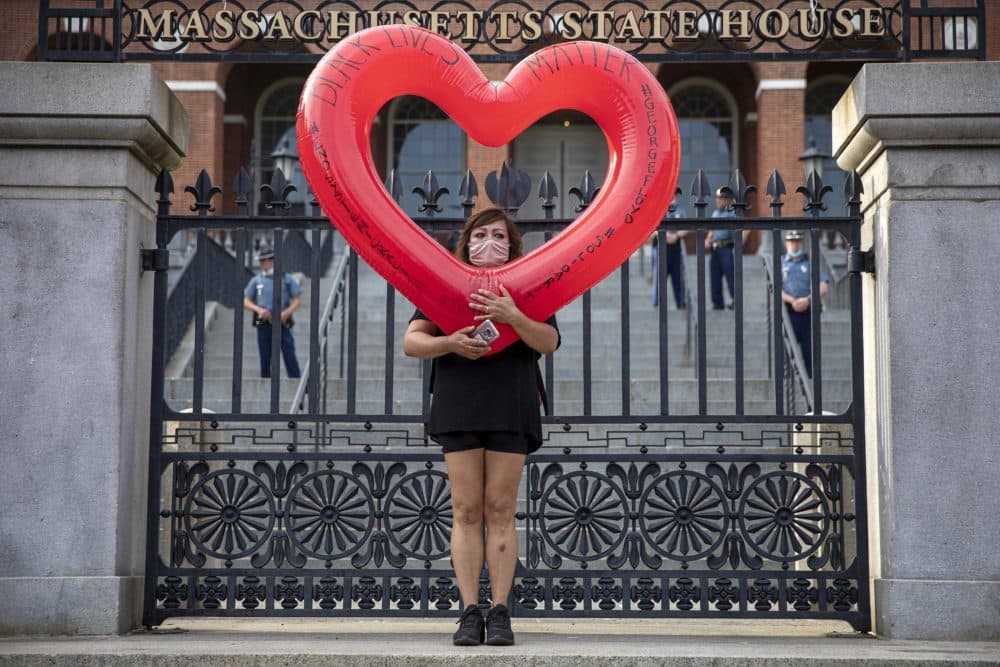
(495, 441)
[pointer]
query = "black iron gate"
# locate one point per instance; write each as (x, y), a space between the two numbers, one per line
(681, 475)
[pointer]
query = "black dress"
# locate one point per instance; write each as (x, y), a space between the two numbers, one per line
(501, 392)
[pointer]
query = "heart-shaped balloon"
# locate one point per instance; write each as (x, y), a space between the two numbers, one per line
(363, 72)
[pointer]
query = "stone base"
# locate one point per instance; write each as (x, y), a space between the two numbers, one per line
(937, 610)
(70, 605)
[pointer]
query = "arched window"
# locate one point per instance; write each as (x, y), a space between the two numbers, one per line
(422, 138)
(821, 96)
(707, 122)
(275, 135)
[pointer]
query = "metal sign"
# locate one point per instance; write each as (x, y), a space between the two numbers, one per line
(506, 31)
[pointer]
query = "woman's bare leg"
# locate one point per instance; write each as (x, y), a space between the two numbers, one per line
(503, 474)
(466, 479)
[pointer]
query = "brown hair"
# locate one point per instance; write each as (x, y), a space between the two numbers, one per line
(481, 219)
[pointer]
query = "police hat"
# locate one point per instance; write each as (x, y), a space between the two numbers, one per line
(723, 191)
(266, 252)
(793, 235)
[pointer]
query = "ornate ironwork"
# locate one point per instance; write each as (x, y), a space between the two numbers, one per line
(651, 508)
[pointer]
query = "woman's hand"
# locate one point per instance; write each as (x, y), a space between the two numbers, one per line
(463, 345)
(497, 307)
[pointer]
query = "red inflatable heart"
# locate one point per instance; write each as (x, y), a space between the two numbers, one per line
(363, 72)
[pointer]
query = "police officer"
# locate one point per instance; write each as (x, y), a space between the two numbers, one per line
(258, 297)
(796, 280)
(674, 260)
(720, 242)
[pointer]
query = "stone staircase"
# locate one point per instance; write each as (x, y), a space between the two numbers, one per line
(567, 391)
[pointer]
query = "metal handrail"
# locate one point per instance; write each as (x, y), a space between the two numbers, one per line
(339, 283)
(793, 351)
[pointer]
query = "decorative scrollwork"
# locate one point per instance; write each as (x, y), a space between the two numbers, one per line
(784, 516)
(419, 515)
(329, 514)
(607, 593)
(229, 514)
(529, 593)
(645, 594)
(683, 513)
(583, 516)
(328, 593)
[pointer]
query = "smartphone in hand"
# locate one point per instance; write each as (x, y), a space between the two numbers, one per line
(486, 332)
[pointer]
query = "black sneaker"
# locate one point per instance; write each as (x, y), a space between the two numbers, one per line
(471, 627)
(498, 627)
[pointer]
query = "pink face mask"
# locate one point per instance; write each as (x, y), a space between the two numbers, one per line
(489, 253)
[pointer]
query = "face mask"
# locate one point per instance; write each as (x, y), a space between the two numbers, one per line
(489, 253)
(795, 254)
(269, 272)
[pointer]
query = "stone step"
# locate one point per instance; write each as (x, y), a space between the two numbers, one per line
(552, 642)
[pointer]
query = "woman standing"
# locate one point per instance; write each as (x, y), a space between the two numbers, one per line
(485, 415)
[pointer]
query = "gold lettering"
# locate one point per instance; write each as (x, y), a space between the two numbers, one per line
(807, 29)
(375, 18)
(249, 28)
(437, 21)
(629, 32)
(299, 26)
(223, 27)
(572, 26)
(532, 25)
(739, 19)
(687, 29)
(340, 24)
(601, 21)
(766, 21)
(503, 19)
(412, 17)
(153, 29)
(471, 20)
(195, 30)
(279, 27)
(656, 19)
(872, 23)
(842, 26)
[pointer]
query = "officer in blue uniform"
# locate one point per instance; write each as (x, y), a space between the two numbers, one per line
(721, 243)
(796, 279)
(674, 260)
(258, 297)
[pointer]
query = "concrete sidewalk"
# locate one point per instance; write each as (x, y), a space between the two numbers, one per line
(419, 642)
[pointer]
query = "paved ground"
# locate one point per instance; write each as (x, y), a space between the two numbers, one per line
(565, 643)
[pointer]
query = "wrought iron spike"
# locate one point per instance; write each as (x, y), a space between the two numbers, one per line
(776, 188)
(277, 191)
(430, 192)
(814, 191)
(243, 191)
(203, 191)
(468, 190)
(740, 191)
(393, 186)
(586, 191)
(547, 191)
(164, 184)
(700, 191)
(853, 189)
(510, 189)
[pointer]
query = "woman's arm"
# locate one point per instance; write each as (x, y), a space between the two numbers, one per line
(421, 341)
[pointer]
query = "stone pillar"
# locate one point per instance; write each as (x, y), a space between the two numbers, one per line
(926, 140)
(79, 148)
